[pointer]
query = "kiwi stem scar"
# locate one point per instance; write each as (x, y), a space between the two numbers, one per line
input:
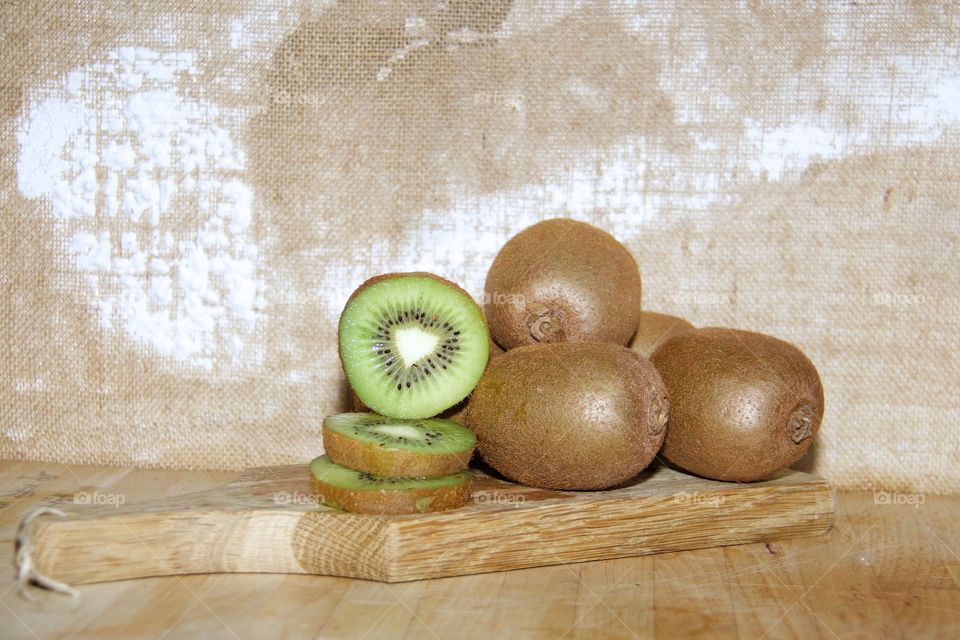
(544, 327)
(801, 424)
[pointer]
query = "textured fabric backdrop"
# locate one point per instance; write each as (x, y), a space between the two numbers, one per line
(189, 191)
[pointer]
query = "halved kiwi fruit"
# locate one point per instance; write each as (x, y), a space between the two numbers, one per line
(412, 344)
(570, 415)
(654, 329)
(350, 490)
(562, 280)
(383, 446)
(743, 405)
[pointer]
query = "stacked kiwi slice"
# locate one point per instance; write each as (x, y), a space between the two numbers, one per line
(375, 464)
(383, 446)
(351, 490)
(412, 345)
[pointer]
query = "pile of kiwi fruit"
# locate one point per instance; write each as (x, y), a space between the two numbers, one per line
(560, 382)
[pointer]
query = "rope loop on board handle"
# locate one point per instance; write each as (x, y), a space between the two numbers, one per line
(27, 573)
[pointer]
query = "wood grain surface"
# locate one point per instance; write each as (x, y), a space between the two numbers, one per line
(889, 567)
(269, 521)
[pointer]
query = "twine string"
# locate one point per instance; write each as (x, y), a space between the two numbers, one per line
(27, 572)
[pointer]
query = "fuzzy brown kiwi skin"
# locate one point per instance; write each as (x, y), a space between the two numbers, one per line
(380, 461)
(389, 276)
(393, 502)
(562, 280)
(654, 329)
(569, 415)
(744, 405)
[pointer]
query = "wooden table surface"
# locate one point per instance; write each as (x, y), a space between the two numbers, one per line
(886, 570)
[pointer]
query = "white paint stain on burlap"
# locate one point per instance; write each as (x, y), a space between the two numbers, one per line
(124, 160)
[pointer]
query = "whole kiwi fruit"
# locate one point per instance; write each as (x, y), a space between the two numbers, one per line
(654, 329)
(743, 405)
(562, 280)
(570, 415)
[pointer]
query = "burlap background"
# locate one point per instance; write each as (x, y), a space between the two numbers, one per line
(189, 191)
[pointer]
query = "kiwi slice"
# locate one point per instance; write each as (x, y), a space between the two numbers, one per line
(743, 405)
(393, 447)
(350, 490)
(655, 329)
(562, 281)
(412, 344)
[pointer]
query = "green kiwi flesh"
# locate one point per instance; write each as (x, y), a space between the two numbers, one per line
(412, 344)
(654, 329)
(569, 415)
(562, 280)
(743, 405)
(342, 488)
(457, 413)
(384, 446)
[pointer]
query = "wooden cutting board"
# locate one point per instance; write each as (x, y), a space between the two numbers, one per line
(268, 521)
